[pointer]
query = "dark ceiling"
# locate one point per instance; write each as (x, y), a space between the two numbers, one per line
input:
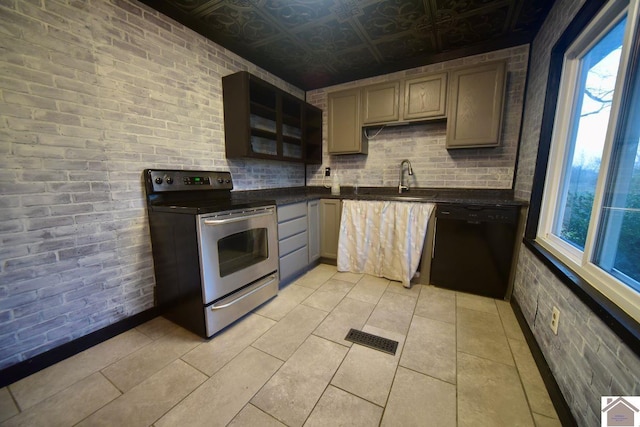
(318, 43)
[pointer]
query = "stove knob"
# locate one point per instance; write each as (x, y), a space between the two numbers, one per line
(220, 180)
(227, 181)
(169, 180)
(158, 180)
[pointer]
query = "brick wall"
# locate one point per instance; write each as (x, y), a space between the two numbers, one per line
(586, 357)
(91, 93)
(424, 144)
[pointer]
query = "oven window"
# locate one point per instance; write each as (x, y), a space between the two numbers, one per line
(241, 250)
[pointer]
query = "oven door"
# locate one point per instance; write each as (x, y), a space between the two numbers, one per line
(236, 249)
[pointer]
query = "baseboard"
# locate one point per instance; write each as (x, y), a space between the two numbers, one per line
(559, 403)
(30, 366)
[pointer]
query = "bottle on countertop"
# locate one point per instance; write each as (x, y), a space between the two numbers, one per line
(335, 184)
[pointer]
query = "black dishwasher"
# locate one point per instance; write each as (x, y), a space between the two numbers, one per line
(473, 248)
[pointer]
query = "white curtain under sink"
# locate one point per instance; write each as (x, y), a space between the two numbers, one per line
(383, 238)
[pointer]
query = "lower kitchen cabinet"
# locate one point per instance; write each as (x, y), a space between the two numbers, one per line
(330, 212)
(298, 238)
(313, 221)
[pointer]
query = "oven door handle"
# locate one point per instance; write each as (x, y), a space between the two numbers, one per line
(269, 281)
(235, 219)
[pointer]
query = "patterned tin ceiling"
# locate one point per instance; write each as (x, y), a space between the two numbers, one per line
(318, 43)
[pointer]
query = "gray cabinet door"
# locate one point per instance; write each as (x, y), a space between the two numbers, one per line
(425, 97)
(476, 96)
(330, 212)
(380, 103)
(313, 216)
(344, 124)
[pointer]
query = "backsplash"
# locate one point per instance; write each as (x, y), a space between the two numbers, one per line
(424, 144)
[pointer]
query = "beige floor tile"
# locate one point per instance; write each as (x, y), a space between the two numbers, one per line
(222, 396)
(324, 300)
(490, 394)
(542, 421)
(534, 387)
(287, 299)
(431, 349)
(8, 407)
(157, 327)
(350, 313)
(337, 285)
(419, 400)
(291, 394)
(316, 277)
(339, 408)
(398, 288)
(509, 322)
(250, 416)
(369, 289)
(285, 337)
(393, 313)
(149, 400)
(481, 334)
(368, 373)
(437, 304)
(37, 387)
(137, 367)
(210, 356)
(347, 276)
(476, 302)
(70, 405)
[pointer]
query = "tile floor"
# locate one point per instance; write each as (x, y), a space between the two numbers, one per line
(461, 360)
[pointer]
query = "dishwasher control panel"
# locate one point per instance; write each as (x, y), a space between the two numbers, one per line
(478, 213)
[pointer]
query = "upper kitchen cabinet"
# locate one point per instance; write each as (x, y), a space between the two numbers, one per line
(476, 97)
(425, 97)
(380, 103)
(400, 101)
(345, 124)
(262, 121)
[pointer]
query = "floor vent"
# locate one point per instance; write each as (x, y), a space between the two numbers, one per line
(372, 341)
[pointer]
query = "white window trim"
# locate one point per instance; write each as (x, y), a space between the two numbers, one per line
(618, 292)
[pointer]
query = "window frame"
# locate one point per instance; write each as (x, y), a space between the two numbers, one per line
(619, 320)
(580, 261)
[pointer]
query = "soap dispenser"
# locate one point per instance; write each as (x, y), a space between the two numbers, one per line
(335, 184)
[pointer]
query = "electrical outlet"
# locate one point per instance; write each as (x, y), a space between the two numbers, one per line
(327, 171)
(555, 319)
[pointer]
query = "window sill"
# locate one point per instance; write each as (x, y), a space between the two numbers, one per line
(615, 318)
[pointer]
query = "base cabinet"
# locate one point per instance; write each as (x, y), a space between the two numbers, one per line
(330, 212)
(313, 220)
(298, 238)
(293, 243)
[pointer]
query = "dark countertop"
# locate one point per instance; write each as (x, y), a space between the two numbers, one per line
(283, 196)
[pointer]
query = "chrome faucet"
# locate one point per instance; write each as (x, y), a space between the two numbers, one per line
(401, 186)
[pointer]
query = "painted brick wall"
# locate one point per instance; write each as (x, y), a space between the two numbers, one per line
(91, 93)
(586, 357)
(424, 144)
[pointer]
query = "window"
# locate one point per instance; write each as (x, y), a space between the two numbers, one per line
(590, 213)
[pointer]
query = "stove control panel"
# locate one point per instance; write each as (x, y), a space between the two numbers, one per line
(163, 180)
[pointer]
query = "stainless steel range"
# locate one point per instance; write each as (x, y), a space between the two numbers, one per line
(215, 258)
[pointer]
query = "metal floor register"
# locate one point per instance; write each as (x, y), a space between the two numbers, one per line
(372, 341)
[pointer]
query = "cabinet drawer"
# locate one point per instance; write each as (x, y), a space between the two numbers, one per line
(294, 210)
(292, 243)
(289, 228)
(293, 263)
